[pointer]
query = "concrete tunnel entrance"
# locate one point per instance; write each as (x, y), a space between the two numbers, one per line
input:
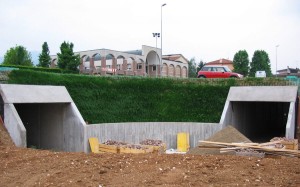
(43, 124)
(43, 117)
(260, 121)
(262, 112)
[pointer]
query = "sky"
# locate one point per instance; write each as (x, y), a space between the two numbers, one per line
(206, 30)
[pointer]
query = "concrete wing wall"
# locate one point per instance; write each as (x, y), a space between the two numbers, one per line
(14, 125)
(290, 127)
(137, 132)
(73, 129)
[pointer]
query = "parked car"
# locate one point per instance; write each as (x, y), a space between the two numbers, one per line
(211, 71)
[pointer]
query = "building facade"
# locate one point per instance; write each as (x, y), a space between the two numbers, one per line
(222, 62)
(144, 62)
(288, 72)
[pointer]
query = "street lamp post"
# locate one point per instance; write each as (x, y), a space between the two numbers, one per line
(161, 48)
(156, 35)
(276, 59)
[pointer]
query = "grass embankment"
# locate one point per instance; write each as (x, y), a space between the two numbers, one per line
(136, 99)
(139, 99)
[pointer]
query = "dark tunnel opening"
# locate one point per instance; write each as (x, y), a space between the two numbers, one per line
(43, 124)
(260, 121)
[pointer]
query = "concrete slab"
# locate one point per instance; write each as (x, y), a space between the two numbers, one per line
(12, 93)
(263, 93)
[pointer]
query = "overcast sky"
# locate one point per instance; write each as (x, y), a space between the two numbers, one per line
(205, 29)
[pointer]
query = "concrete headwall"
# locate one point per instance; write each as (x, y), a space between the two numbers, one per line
(15, 93)
(137, 132)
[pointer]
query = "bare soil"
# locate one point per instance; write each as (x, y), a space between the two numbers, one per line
(31, 167)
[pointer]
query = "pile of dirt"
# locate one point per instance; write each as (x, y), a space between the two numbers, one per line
(31, 167)
(5, 139)
(227, 135)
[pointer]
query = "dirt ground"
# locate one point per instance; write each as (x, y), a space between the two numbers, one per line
(30, 167)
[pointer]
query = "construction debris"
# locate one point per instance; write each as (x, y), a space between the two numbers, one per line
(249, 152)
(227, 135)
(261, 148)
(158, 145)
(287, 143)
(112, 146)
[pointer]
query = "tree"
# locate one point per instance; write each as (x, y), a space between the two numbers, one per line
(192, 68)
(241, 62)
(44, 57)
(67, 59)
(260, 62)
(18, 56)
(200, 65)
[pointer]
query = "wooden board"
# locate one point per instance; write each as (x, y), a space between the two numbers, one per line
(293, 145)
(162, 148)
(276, 151)
(147, 149)
(108, 148)
(94, 144)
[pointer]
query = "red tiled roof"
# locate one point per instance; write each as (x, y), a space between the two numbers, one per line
(220, 61)
(173, 57)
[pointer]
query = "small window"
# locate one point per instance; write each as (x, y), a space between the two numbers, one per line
(153, 68)
(139, 66)
(205, 69)
(118, 67)
(220, 69)
(128, 66)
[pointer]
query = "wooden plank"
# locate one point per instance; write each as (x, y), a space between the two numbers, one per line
(108, 150)
(110, 147)
(285, 152)
(293, 144)
(145, 149)
(94, 144)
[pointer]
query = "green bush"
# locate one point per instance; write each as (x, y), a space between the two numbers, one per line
(52, 70)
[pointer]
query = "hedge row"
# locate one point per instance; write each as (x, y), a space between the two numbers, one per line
(124, 99)
(139, 99)
(50, 70)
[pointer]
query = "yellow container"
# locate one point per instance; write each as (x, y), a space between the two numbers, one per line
(183, 142)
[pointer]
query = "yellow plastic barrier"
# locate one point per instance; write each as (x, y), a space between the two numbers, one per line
(183, 142)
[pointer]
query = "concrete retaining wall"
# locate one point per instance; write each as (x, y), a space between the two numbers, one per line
(136, 132)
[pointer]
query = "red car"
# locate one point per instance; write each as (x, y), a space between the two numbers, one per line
(217, 72)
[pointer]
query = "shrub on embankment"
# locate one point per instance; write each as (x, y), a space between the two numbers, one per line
(138, 99)
(50, 70)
